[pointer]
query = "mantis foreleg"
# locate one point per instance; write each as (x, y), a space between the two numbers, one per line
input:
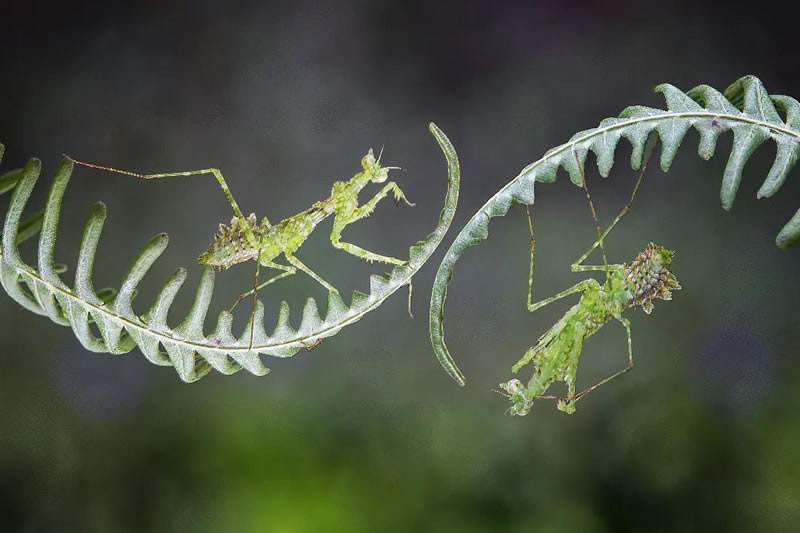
(343, 220)
(625, 322)
(570, 378)
(362, 253)
(369, 206)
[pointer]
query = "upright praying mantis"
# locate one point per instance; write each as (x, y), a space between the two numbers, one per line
(247, 240)
(557, 352)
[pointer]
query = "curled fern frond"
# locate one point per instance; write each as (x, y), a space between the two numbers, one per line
(192, 352)
(744, 108)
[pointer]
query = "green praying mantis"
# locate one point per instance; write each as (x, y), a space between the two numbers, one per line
(558, 351)
(246, 240)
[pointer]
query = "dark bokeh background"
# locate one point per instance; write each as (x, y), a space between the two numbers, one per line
(366, 433)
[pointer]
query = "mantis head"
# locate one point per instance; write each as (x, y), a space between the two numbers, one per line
(373, 169)
(521, 402)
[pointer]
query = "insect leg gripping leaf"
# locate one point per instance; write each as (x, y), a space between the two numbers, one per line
(186, 347)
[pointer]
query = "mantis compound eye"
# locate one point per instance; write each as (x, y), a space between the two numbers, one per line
(379, 175)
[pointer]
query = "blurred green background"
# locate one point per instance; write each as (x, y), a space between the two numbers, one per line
(366, 433)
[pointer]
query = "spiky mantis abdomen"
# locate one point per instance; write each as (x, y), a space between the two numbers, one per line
(231, 245)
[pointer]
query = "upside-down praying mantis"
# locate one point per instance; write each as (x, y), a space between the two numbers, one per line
(247, 240)
(557, 352)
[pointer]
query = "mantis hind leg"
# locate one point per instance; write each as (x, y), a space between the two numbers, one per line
(575, 397)
(213, 171)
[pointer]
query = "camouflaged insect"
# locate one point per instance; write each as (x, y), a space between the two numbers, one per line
(557, 353)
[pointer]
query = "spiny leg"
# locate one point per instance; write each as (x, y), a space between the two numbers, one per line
(288, 272)
(526, 358)
(577, 266)
(213, 171)
(357, 251)
(342, 220)
(368, 207)
(365, 209)
(296, 262)
(627, 324)
(567, 404)
(399, 195)
(352, 249)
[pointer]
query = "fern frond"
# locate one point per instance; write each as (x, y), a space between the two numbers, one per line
(744, 108)
(186, 347)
